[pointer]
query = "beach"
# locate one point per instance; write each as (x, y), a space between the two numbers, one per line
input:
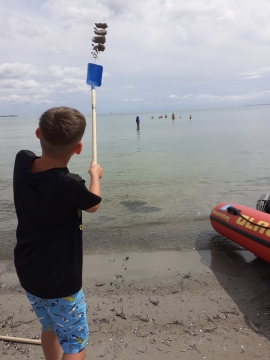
(159, 281)
(200, 304)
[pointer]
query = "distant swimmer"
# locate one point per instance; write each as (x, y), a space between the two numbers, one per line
(138, 121)
(152, 117)
(165, 116)
(173, 116)
(190, 117)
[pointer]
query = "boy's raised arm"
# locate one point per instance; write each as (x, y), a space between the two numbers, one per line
(96, 173)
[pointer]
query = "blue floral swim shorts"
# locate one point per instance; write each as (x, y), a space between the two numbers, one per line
(66, 317)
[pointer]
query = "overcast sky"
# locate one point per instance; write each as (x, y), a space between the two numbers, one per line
(161, 55)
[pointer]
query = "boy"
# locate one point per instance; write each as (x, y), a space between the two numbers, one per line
(48, 255)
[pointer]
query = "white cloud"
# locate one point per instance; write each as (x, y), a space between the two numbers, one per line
(83, 13)
(30, 29)
(16, 99)
(73, 81)
(181, 32)
(228, 15)
(54, 50)
(207, 97)
(257, 73)
(19, 84)
(248, 96)
(63, 72)
(5, 30)
(17, 70)
(200, 51)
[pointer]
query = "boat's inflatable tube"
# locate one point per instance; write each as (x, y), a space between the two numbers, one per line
(246, 227)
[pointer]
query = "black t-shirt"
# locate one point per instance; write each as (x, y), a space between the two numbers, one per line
(49, 204)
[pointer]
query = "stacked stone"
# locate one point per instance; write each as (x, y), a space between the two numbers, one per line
(100, 31)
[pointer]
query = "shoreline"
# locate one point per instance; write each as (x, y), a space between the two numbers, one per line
(200, 304)
(186, 236)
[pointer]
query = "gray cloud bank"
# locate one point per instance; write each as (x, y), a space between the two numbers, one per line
(160, 54)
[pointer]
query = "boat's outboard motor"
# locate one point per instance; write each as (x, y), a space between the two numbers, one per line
(263, 204)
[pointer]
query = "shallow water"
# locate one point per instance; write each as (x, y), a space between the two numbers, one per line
(167, 173)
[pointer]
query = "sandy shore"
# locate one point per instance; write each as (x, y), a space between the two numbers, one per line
(208, 304)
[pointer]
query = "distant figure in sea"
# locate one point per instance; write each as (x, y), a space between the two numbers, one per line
(190, 117)
(138, 121)
(173, 116)
(165, 116)
(152, 117)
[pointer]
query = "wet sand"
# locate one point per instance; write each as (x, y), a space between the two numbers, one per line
(189, 235)
(201, 304)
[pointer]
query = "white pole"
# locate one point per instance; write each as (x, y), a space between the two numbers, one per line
(16, 339)
(94, 126)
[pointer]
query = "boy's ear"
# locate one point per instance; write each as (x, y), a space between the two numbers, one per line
(78, 148)
(38, 133)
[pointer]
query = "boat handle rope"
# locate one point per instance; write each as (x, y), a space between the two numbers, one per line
(233, 211)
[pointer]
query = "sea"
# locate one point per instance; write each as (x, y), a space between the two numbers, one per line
(160, 180)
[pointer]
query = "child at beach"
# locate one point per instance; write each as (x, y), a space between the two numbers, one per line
(48, 255)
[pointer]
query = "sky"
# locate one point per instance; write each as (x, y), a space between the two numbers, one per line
(161, 55)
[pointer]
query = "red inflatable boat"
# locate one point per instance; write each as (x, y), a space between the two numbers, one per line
(246, 227)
